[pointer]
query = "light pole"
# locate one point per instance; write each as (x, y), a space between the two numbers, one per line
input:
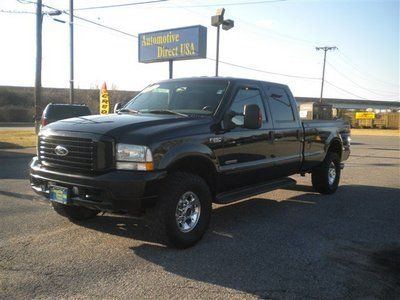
(326, 48)
(217, 21)
(71, 51)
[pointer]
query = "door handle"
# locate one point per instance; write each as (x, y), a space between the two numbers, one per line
(298, 134)
(271, 136)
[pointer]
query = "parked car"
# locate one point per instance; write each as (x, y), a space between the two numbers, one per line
(55, 112)
(181, 145)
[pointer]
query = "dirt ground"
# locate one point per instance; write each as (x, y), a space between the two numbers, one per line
(376, 132)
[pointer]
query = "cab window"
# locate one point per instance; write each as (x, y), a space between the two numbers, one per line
(280, 105)
(246, 96)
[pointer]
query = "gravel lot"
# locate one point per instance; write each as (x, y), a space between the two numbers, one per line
(284, 244)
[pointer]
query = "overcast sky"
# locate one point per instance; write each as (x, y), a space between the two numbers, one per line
(279, 37)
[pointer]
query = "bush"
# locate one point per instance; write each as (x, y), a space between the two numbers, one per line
(16, 114)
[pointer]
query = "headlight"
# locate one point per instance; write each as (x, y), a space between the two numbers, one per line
(133, 157)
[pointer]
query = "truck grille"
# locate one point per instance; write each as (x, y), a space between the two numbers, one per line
(81, 154)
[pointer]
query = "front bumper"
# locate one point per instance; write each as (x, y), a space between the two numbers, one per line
(119, 191)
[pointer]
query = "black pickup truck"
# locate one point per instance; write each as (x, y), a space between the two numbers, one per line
(181, 145)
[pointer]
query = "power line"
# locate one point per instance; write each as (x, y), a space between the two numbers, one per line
(120, 5)
(346, 91)
(355, 83)
(223, 62)
(227, 4)
(86, 20)
(345, 59)
(264, 71)
(16, 11)
(104, 26)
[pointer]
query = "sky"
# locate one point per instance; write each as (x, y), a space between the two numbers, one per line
(278, 37)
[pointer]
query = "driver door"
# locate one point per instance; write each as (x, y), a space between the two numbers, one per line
(247, 153)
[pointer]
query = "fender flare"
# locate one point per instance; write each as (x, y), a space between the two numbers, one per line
(182, 151)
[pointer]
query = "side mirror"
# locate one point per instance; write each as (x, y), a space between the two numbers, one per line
(117, 107)
(252, 116)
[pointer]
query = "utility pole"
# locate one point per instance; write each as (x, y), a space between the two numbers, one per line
(71, 51)
(326, 48)
(38, 73)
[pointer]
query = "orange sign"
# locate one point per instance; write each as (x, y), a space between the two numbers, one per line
(104, 100)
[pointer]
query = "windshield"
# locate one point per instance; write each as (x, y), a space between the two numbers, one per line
(180, 97)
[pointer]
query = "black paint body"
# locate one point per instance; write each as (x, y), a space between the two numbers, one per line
(237, 157)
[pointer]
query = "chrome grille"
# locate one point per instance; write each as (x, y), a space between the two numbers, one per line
(81, 156)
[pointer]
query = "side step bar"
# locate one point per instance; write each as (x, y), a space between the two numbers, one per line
(248, 191)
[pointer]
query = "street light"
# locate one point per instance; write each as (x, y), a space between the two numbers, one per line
(217, 21)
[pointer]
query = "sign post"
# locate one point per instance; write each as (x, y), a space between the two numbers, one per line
(173, 44)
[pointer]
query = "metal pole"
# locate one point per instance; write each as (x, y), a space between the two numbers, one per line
(217, 58)
(71, 51)
(323, 77)
(170, 68)
(38, 73)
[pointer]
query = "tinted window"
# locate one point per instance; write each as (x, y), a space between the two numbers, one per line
(60, 112)
(185, 96)
(280, 105)
(244, 97)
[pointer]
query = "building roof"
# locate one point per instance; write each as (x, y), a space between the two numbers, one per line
(354, 103)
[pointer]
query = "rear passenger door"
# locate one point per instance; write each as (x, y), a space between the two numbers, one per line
(287, 131)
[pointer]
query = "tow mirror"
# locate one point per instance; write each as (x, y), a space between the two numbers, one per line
(117, 107)
(252, 116)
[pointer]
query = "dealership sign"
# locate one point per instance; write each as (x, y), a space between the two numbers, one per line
(173, 44)
(365, 115)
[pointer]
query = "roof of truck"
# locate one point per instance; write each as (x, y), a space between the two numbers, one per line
(231, 79)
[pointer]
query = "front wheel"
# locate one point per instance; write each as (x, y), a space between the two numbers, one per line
(183, 210)
(325, 178)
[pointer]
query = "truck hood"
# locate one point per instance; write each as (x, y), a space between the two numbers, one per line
(125, 126)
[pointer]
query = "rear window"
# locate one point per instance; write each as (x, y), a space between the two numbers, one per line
(65, 111)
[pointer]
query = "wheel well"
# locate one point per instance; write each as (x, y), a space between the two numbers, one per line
(200, 166)
(336, 147)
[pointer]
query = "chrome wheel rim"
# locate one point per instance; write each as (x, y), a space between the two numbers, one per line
(331, 173)
(188, 211)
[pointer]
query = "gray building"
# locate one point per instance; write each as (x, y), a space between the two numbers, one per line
(354, 103)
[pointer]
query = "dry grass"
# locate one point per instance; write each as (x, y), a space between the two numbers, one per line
(378, 132)
(14, 139)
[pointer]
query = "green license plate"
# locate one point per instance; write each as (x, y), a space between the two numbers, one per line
(59, 194)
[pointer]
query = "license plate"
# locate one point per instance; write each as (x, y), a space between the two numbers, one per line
(59, 194)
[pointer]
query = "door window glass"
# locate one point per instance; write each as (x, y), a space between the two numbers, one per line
(246, 96)
(280, 105)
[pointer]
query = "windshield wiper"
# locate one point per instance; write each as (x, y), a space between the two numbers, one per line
(165, 111)
(128, 110)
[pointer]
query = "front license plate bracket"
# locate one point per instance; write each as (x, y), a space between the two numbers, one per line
(59, 194)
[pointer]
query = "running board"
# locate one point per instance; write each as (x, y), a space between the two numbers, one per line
(249, 191)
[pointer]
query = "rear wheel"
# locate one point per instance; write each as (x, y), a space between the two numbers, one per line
(182, 212)
(74, 213)
(326, 177)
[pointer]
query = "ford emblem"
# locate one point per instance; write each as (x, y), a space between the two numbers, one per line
(61, 150)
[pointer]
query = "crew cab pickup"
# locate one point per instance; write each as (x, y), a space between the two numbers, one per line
(181, 145)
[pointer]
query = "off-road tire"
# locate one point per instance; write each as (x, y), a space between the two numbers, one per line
(74, 213)
(161, 218)
(320, 175)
